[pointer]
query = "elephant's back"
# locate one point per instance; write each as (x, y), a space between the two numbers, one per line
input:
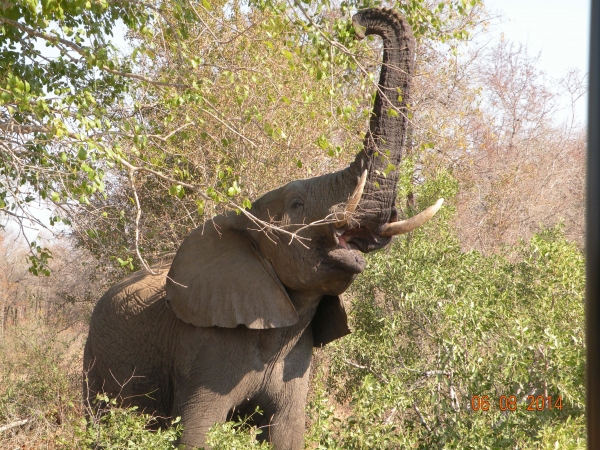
(133, 294)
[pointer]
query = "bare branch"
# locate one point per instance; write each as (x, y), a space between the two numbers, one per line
(15, 424)
(358, 366)
(421, 418)
(137, 224)
(144, 79)
(14, 127)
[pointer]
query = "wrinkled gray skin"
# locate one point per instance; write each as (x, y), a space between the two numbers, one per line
(233, 325)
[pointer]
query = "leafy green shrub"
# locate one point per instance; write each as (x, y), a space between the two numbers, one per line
(237, 435)
(126, 428)
(439, 334)
(122, 428)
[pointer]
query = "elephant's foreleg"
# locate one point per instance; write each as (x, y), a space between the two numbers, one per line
(284, 422)
(198, 413)
(285, 429)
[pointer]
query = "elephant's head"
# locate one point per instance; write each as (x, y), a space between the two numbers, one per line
(310, 234)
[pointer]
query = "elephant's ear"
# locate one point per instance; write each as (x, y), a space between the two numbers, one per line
(218, 278)
(330, 321)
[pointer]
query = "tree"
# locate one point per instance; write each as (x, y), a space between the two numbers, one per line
(216, 103)
(12, 288)
(60, 301)
(521, 167)
(60, 86)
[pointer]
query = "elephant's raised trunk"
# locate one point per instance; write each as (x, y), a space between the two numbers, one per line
(386, 136)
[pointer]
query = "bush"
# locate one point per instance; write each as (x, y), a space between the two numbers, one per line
(121, 428)
(238, 435)
(40, 383)
(435, 329)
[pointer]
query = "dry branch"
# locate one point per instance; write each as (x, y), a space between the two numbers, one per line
(15, 424)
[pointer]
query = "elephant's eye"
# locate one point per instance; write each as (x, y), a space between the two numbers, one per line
(297, 203)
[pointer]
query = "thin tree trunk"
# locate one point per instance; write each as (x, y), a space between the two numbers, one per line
(2, 316)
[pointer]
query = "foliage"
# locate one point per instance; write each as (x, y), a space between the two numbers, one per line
(120, 428)
(59, 78)
(256, 88)
(216, 102)
(213, 103)
(236, 435)
(434, 326)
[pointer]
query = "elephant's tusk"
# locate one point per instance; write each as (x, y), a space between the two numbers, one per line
(353, 200)
(357, 194)
(404, 226)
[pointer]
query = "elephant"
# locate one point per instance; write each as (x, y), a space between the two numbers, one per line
(231, 324)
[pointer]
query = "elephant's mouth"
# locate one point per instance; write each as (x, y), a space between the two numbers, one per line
(360, 238)
(350, 244)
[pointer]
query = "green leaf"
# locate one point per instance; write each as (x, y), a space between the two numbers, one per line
(391, 112)
(177, 190)
(323, 142)
(126, 262)
(200, 206)
(390, 167)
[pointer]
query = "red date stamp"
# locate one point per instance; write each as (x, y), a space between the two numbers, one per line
(510, 403)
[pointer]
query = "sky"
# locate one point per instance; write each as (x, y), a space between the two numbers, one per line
(559, 29)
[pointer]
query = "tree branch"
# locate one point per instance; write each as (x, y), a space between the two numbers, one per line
(143, 78)
(258, 222)
(421, 418)
(137, 223)
(358, 366)
(84, 53)
(47, 37)
(15, 424)
(22, 129)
